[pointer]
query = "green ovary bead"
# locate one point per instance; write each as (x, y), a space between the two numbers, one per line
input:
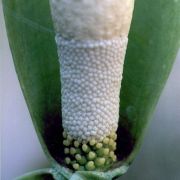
(91, 155)
(69, 138)
(85, 148)
(67, 160)
(81, 159)
(111, 142)
(72, 151)
(106, 151)
(106, 140)
(100, 162)
(76, 144)
(99, 145)
(66, 150)
(92, 142)
(90, 166)
(64, 134)
(66, 142)
(75, 166)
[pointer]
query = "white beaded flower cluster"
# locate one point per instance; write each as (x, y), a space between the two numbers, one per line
(91, 37)
(91, 73)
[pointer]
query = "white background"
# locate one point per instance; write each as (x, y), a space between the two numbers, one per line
(21, 152)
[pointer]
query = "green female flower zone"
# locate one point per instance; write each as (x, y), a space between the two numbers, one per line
(91, 38)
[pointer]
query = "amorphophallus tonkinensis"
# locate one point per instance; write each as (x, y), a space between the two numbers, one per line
(91, 39)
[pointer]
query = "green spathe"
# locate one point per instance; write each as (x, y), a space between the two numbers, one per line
(153, 43)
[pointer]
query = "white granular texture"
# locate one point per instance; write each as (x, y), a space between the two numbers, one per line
(92, 19)
(91, 73)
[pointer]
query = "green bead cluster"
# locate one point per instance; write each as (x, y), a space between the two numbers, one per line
(91, 155)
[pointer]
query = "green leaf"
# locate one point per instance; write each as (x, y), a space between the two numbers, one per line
(33, 47)
(42, 174)
(154, 40)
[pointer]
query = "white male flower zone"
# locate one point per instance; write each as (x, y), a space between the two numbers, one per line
(91, 37)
